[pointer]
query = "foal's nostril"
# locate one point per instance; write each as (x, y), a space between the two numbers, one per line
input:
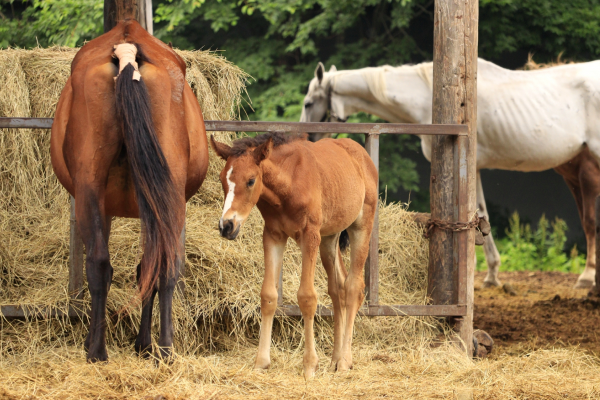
(226, 228)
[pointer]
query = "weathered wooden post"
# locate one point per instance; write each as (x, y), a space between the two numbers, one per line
(116, 10)
(372, 264)
(454, 102)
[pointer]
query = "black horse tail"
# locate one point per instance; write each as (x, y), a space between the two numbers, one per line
(344, 240)
(154, 188)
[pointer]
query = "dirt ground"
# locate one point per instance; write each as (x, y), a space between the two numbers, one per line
(544, 313)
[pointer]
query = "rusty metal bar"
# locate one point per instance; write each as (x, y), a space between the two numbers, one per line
(372, 264)
(383, 311)
(291, 127)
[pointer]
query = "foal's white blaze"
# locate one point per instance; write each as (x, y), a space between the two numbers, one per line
(230, 194)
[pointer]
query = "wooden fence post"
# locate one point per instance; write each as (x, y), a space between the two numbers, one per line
(372, 264)
(116, 10)
(454, 102)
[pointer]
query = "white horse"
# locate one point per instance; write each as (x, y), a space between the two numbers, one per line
(526, 120)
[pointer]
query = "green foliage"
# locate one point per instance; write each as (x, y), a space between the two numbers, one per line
(279, 43)
(543, 27)
(541, 250)
(46, 22)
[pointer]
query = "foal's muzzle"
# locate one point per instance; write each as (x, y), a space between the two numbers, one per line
(229, 228)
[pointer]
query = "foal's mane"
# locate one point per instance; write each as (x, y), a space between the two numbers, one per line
(240, 146)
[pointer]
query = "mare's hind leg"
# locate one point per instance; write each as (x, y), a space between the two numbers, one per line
(166, 289)
(274, 246)
(360, 235)
(106, 235)
(94, 229)
(143, 342)
(336, 276)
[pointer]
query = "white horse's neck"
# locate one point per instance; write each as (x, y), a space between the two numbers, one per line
(396, 94)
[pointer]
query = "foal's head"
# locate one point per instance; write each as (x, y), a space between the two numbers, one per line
(242, 182)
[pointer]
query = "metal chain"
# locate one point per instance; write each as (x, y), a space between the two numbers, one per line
(450, 226)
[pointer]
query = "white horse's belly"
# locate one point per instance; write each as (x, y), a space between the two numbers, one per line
(528, 128)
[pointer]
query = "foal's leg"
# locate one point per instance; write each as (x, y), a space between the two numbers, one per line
(492, 256)
(336, 276)
(360, 235)
(274, 246)
(92, 224)
(143, 342)
(307, 297)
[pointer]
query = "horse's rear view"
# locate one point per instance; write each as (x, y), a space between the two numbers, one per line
(128, 140)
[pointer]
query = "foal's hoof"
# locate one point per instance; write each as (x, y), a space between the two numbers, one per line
(343, 365)
(584, 284)
(310, 368)
(262, 365)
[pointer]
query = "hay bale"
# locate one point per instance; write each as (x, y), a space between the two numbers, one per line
(223, 278)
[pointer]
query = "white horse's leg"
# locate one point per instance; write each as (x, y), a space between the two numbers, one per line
(492, 256)
(274, 245)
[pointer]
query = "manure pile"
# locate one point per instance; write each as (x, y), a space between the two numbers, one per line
(223, 278)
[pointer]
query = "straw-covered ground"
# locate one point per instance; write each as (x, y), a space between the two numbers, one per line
(216, 320)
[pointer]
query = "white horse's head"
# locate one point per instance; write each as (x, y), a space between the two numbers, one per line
(319, 102)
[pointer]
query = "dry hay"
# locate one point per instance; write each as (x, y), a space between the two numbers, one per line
(216, 321)
(223, 278)
(531, 65)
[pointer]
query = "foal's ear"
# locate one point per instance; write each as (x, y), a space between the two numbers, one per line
(333, 69)
(319, 72)
(222, 150)
(263, 151)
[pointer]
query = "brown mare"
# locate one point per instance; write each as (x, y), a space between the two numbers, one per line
(310, 192)
(130, 148)
(582, 176)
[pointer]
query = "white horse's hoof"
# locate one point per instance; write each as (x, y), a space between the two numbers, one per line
(584, 284)
(491, 283)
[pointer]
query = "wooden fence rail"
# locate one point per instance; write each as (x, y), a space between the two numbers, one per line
(372, 307)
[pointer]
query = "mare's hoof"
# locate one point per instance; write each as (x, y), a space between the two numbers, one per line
(100, 356)
(584, 284)
(165, 355)
(491, 283)
(143, 350)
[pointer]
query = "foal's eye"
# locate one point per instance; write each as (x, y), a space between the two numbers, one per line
(251, 182)
(308, 105)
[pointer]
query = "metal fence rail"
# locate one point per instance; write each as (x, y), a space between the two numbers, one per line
(372, 132)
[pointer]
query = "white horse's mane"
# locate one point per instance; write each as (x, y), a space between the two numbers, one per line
(376, 82)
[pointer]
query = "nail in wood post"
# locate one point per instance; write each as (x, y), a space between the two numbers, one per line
(454, 102)
(75, 257)
(372, 264)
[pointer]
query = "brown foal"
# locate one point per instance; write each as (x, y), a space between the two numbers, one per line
(310, 192)
(130, 146)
